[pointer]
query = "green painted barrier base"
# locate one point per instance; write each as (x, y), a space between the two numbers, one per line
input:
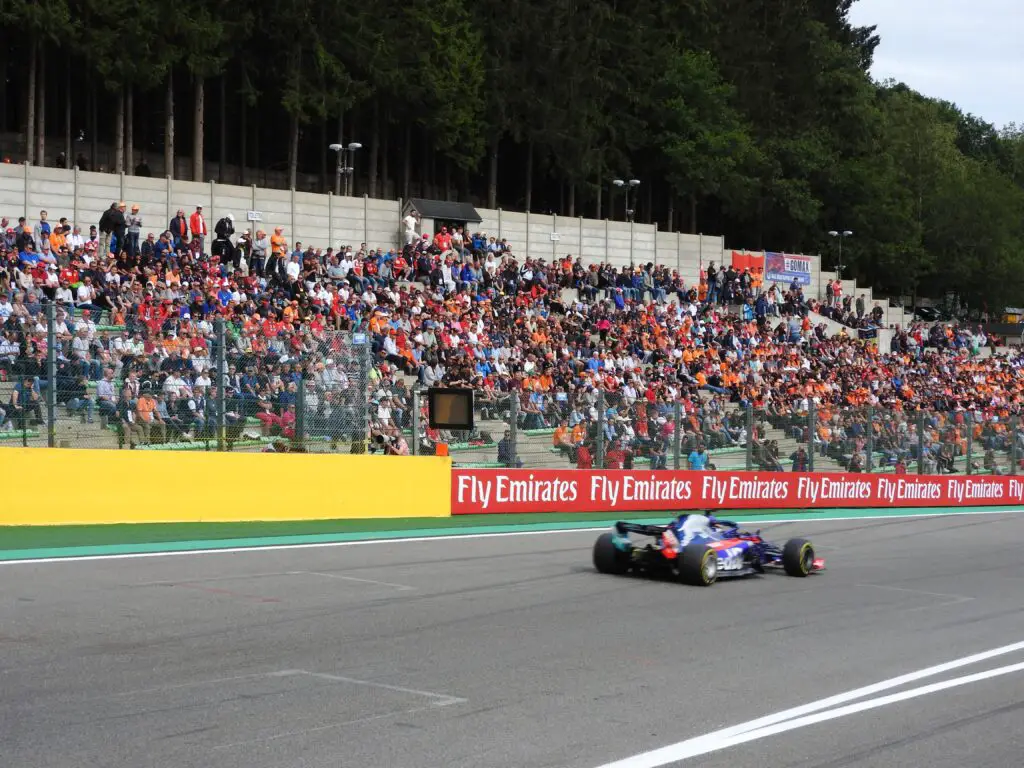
(17, 435)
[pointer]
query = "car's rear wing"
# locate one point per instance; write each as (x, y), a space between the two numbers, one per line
(644, 530)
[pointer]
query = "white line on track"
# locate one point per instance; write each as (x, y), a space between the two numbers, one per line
(454, 536)
(437, 700)
(811, 713)
(948, 599)
(442, 699)
(399, 587)
(889, 588)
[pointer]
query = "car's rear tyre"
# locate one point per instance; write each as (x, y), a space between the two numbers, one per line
(698, 565)
(798, 557)
(608, 558)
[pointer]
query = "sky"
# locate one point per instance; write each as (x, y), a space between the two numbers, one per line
(969, 52)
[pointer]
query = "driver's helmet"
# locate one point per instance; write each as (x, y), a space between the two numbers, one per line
(695, 526)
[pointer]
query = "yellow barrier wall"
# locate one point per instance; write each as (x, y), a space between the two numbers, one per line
(57, 486)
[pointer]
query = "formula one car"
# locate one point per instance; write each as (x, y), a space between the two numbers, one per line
(698, 549)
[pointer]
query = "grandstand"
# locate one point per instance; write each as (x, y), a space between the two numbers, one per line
(619, 356)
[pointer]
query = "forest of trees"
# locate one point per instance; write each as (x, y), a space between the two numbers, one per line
(755, 119)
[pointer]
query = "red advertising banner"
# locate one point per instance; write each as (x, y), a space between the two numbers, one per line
(491, 491)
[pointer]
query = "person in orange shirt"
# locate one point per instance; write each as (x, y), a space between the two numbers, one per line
(579, 434)
(58, 240)
(290, 312)
(148, 419)
(278, 251)
(561, 438)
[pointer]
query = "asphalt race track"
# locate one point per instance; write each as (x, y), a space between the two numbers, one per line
(511, 652)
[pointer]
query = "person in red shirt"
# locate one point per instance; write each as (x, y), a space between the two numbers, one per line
(615, 457)
(584, 459)
(443, 240)
(39, 274)
(271, 327)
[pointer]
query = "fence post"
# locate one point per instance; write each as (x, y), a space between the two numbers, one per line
(679, 253)
(631, 243)
(920, 442)
(677, 435)
(209, 417)
(51, 374)
(812, 430)
(554, 234)
(74, 204)
(513, 429)
(24, 414)
(748, 419)
(220, 362)
(291, 224)
(527, 234)
(969, 421)
(415, 447)
(871, 439)
(1014, 426)
(299, 440)
(364, 384)
(330, 218)
(599, 447)
(213, 207)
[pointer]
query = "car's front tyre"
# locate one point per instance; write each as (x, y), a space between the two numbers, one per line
(798, 557)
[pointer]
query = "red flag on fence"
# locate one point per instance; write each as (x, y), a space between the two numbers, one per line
(746, 260)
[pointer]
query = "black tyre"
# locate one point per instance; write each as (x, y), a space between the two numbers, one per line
(698, 565)
(798, 557)
(607, 557)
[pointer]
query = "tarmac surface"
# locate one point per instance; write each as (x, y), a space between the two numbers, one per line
(512, 652)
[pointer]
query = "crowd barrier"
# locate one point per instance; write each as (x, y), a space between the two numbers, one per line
(80, 487)
(70, 486)
(493, 491)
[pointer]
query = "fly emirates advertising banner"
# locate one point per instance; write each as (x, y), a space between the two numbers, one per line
(490, 491)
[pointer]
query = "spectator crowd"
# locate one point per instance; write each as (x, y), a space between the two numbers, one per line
(611, 360)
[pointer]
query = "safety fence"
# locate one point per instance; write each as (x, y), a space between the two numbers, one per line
(163, 383)
(626, 430)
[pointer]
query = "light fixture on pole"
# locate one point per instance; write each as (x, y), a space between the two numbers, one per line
(627, 186)
(842, 236)
(632, 184)
(346, 165)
